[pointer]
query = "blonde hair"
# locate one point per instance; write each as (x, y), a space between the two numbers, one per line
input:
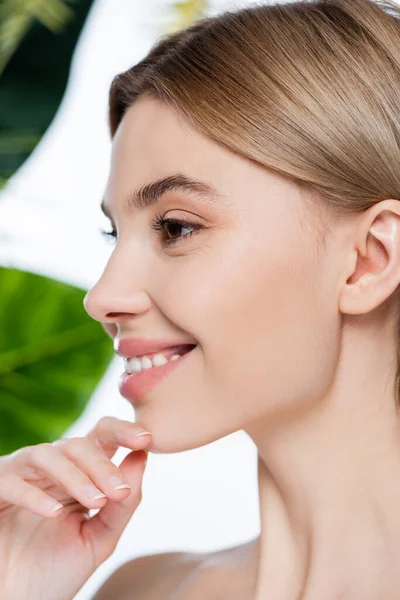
(308, 89)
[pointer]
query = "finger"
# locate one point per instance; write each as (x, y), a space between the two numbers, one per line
(59, 469)
(109, 433)
(104, 529)
(98, 467)
(17, 492)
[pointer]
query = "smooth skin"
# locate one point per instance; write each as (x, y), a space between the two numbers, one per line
(296, 347)
(50, 555)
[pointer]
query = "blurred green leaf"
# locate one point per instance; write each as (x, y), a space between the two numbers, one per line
(37, 40)
(18, 142)
(52, 357)
(16, 16)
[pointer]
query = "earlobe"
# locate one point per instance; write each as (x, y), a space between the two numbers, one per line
(357, 297)
(375, 274)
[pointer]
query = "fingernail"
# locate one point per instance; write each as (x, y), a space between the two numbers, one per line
(143, 433)
(50, 504)
(93, 492)
(118, 483)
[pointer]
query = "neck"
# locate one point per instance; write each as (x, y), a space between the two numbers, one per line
(329, 492)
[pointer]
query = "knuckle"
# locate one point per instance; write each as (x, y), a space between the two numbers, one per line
(20, 454)
(76, 445)
(106, 426)
(60, 443)
(39, 452)
(104, 434)
(105, 422)
(9, 459)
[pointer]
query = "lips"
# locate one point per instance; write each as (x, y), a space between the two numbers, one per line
(129, 347)
(136, 386)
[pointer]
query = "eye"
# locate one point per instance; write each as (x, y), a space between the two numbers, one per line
(109, 235)
(159, 223)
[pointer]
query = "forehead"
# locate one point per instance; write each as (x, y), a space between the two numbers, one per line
(154, 141)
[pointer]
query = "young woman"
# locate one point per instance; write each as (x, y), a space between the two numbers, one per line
(254, 197)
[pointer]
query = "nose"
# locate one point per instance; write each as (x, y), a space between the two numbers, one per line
(116, 298)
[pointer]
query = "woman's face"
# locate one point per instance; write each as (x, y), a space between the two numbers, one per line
(247, 286)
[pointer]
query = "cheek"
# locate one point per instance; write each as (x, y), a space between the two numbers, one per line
(261, 320)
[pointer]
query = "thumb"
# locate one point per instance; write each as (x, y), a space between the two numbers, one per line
(106, 527)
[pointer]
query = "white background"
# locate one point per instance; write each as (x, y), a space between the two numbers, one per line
(199, 500)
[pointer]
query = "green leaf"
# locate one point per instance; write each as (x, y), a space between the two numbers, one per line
(37, 40)
(16, 16)
(52, 357)
(16, 142)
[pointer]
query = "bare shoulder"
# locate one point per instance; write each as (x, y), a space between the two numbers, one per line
(183, 575)
(148, 577)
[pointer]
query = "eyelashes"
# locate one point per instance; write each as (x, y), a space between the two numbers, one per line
(159, 223)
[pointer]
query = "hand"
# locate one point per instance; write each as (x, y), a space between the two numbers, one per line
(47, 555)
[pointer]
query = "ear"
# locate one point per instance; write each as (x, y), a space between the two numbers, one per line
(374, 272)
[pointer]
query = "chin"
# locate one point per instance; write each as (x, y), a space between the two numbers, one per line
(171, 445)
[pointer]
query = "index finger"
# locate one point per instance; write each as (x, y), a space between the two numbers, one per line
(110, 433)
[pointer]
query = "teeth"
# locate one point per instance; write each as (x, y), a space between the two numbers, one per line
(159, 359)
(146, 362)
(132, 365)
(136, 364)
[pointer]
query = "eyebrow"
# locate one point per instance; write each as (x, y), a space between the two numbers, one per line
(149, 194)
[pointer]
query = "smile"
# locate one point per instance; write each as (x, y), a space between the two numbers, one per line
(137, 384)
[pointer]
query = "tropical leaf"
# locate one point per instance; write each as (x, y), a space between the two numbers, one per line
(52, 357)
(18, 141)
(16, 16)
(37, 40)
